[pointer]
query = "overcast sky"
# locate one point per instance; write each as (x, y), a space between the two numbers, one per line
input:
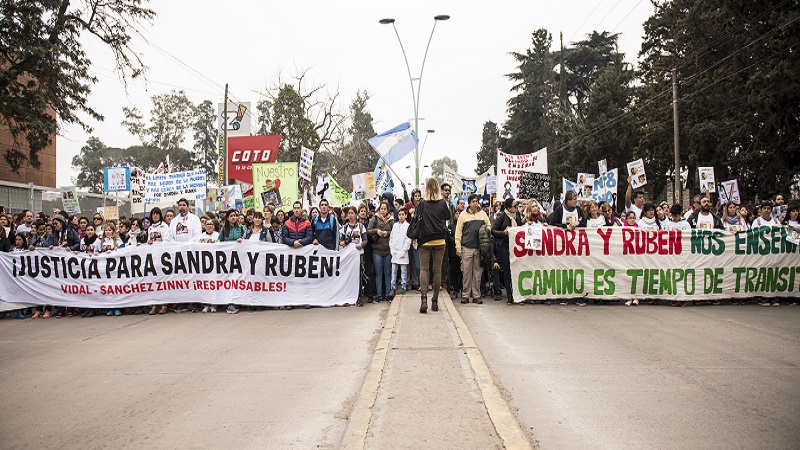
(247, 43)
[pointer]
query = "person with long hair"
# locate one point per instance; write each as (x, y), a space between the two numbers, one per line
(592, 214)
(732, 220)
(509, 218)
(232, 231)
(379, 231)
(608, 213)
(434, 215)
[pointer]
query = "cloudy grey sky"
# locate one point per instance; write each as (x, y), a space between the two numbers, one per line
(200, 45)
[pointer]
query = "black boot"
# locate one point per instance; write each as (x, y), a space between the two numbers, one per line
(423, 307)
(435, 305)
(510, 299)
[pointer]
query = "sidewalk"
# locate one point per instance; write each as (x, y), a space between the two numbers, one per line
(428, 387)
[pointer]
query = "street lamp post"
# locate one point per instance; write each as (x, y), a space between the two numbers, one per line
(415, 91)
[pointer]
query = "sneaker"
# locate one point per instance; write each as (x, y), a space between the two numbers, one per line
(563, 303)
(581, 303)
(764, 304)
(69, 314)
(635, 302)
(793, 304)
(401, 291)
(59, 315)
(232, 309)
(110, 312)
(464, 300)
(453, 295)
(776, 304)
(289, 307)
(477, 301)
(19, 315)
(629, 303)
(715, 302)
(36, 315)
(117, 312)
(46, 314)
(153, 310)
(391, 294)
(163, 309)
(213, 309)
(206, 309)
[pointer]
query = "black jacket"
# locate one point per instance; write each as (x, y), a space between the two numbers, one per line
(498, 233)
(433, 220)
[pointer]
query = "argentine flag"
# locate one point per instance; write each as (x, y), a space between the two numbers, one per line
(395, 144)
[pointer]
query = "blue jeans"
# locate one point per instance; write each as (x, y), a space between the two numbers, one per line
(403, 275)
(383, 269)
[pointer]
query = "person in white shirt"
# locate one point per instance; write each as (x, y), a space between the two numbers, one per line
(592, 213)
(185, 227)
(792, 218)
(634, 201)
(25, 227)
(109, 240)
(765, 218)
(648, 220)
(676, 220)
(704, 219)
(733, 221)
(158, 231)
(210, 232)
(399, 243)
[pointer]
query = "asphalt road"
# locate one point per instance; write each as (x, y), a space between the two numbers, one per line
(651, 377)
(272, 379)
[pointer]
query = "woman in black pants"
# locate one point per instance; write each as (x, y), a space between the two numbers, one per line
(509, 217)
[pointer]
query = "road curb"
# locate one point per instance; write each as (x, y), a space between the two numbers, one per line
(355, 434)
(505, 424)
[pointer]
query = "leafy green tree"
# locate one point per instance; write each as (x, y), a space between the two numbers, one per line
(44, 70)
(354, 155)
(490, 143)
(205, 139)
(92, 159)
(739, 91)
(171, 118)
(437, 166)
(528, 126)
(290, 121)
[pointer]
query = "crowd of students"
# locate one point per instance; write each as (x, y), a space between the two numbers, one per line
(475, 263)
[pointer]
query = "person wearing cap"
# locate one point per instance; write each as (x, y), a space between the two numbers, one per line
(509, 218)
(64, 235)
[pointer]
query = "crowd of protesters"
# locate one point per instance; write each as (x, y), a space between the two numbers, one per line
(462, 247)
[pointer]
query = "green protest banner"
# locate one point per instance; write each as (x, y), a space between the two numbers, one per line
(275, 184)
(614, 263)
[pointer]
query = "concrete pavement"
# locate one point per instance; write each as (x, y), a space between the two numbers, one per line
(649, 377)
(273, 379)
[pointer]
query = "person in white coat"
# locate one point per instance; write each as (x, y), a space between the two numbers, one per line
(185, 227)
(399, 244)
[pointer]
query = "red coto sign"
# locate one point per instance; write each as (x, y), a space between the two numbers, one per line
(244, 151)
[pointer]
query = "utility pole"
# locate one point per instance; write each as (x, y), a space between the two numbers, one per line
(677, 194)
(223, 179)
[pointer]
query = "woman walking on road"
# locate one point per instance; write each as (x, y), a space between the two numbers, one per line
(434, 216)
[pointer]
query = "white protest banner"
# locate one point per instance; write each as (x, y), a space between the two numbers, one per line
(509, 168)
(69, 198)
(603, 166)
(306, 164)
(246, 273)
(605, 188)
(452, 178)
(491, 184)
(231, 197)
(729, 192)
(637, 174)
(363, 186)
(171, 187)
(706, 177)
(612, 263)
(480, 184)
